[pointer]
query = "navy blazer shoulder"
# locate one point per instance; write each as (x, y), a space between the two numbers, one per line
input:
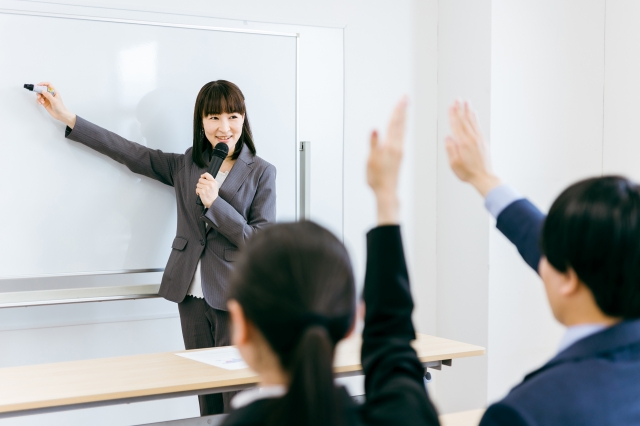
(594, 382)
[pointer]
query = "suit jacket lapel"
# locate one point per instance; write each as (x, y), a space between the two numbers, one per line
(197, 209)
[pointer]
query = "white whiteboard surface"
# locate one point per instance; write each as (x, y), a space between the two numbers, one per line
(621, 90)
(68, 209)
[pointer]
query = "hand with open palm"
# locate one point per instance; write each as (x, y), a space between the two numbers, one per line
(383, 166)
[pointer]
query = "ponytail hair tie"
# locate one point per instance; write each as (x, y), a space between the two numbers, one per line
(284, 334)
(337, 327)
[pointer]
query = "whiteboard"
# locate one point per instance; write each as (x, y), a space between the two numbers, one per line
(67, 209)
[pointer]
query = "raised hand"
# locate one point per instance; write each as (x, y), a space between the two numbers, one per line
(383, 166)
(467, 151)
(54, 105)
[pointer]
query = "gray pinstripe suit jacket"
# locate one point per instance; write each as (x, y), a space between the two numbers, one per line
(246, 203)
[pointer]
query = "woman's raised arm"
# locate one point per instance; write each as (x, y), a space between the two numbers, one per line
(139, 159)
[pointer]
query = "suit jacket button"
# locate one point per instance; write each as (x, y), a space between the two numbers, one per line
(201, 242)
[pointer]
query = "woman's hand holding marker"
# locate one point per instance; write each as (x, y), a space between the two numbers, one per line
(207, 188)
(54, 105)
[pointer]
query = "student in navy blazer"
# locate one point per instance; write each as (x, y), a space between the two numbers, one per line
(587, 252)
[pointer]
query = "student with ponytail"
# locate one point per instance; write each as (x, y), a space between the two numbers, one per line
(293, 299)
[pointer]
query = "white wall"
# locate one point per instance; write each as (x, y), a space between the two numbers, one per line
(423, 157)
(546, 132)
(464, 71)
(534, 71)
(622, 89)
(379, 53)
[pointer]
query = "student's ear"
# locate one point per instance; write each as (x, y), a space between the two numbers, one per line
(239, 334)
(570, 284)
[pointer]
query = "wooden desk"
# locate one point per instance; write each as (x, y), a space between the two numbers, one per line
(463, 418)
(82, 384)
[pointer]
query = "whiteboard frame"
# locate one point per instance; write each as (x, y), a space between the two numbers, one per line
(140, 291)
(148, 23)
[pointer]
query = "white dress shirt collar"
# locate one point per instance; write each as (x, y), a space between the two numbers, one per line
(578, 332)
(250, 395)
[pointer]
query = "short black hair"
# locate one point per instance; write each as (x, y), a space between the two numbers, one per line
(593, 227)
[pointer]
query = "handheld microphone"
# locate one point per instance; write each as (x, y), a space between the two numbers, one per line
(220, 152)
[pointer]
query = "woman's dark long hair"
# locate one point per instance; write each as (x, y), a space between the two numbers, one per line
(219, 97)
(295, 284)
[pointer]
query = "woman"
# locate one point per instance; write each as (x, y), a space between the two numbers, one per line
(293, 299)
(238, 202)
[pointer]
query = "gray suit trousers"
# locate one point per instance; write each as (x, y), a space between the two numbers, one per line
(206, 327)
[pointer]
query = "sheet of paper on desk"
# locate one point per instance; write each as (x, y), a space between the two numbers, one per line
(227, 358)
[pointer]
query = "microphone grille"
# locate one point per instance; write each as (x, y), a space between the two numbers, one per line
(221, 150)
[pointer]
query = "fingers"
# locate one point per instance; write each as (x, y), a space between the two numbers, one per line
(466, 118)
(204, 185)
(48, 84)
(395, 133)
(452, 150)
(374, 140)
(460, 117)
(206, 182)
(473, 119)
(47, 95)
(454, 121)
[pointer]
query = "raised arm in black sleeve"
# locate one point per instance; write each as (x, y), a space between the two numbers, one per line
(394, 376)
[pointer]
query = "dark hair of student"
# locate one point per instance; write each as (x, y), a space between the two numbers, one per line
(295, 284)
(593, 227)
(218, 97)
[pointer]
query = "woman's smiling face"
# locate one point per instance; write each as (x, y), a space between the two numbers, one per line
(225, 128)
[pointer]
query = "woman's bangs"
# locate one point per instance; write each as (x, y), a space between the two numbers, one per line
(218, 100)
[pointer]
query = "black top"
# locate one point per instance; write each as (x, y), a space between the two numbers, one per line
(394, 382)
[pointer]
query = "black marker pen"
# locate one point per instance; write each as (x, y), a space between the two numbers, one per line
(39, 89)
